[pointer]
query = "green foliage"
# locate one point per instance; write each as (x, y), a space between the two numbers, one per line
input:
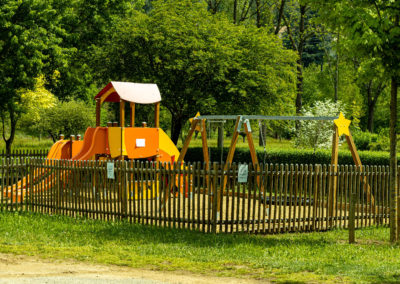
(68, 118)
(30, 44)
(35, 102)
(86, 23)
(317, 133)
(364, 140)
(201, 62)
(383, 142)
(290, 156)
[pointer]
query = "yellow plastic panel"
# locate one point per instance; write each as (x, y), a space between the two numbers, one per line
(167, 146)
(117, 148)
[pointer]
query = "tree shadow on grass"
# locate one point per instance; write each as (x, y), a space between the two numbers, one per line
(129, 233)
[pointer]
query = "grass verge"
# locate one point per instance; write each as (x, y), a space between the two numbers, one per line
(315, 257)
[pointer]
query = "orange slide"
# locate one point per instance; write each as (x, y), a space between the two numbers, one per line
(16, 191)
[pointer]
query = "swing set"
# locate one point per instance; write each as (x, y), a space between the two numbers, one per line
(340, 127)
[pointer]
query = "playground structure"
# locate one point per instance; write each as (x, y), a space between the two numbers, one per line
(114, 142)
(340, 127)
(212, 187)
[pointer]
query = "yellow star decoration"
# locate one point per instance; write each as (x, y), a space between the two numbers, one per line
(198, 128)
(342, 125)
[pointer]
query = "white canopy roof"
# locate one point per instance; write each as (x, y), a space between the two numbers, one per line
(140, 93)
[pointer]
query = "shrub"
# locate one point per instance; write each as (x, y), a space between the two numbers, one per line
(290, 156)
(317, 133)
(364, 140)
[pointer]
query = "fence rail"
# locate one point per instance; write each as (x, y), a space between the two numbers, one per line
(275, 198)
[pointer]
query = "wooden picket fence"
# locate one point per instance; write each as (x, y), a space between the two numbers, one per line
(24, 154)
(274, 199)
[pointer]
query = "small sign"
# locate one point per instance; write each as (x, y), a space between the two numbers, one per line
(243, 173)
(110, 170)
(140, 143)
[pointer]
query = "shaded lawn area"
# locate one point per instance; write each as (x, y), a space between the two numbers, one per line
(316, 257)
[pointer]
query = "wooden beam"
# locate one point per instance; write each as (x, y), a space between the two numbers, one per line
(132, 122)
(353, 150)
(180, 159)
(187, 140)
(357, 162)
(206, 157)
(204, 143)
(122, 113)
(253, 153)
(229, 159)
(98, 110)
(157, 115)
(333, 179)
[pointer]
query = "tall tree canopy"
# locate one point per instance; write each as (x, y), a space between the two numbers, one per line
(200, 61)
(30, 37)
(374, 30)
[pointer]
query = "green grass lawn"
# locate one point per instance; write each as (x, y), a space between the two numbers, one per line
(316, 257)
(23, 141)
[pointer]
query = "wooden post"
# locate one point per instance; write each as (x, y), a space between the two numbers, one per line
(179, 161)
(122, 113)
(206, 156)
(187, 140)
(132, 122)
(333, 181)
(71, 141)
(352, 217)
(221, 136)
(229, 159)
(157, 115)
(357, 162)
(98, 110)
(204, 143)
(253, 153)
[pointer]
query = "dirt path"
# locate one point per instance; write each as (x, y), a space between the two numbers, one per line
(25, 269)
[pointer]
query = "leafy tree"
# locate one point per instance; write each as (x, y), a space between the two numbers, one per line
(30, 35)
(374, 30)
(317, 133)
(86, 23)
(201, 62)
(36, 102)
(299, 31)
(68, 118)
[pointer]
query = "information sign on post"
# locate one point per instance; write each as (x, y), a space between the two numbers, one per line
(110, 170)
(243, 173)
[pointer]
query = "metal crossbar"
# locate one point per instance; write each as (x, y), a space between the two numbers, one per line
(266, 117)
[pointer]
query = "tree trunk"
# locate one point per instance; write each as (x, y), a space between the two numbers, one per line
(370, 122)
(258, 13)
(300, 49)
(280, 14)
(235, 4)
(393, 161)
(176, 127)
(299, 85)
(336, 80)
(13, 124)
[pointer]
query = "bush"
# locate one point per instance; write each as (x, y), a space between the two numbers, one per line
(364, 140)
(290, 156)
(383, 142)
